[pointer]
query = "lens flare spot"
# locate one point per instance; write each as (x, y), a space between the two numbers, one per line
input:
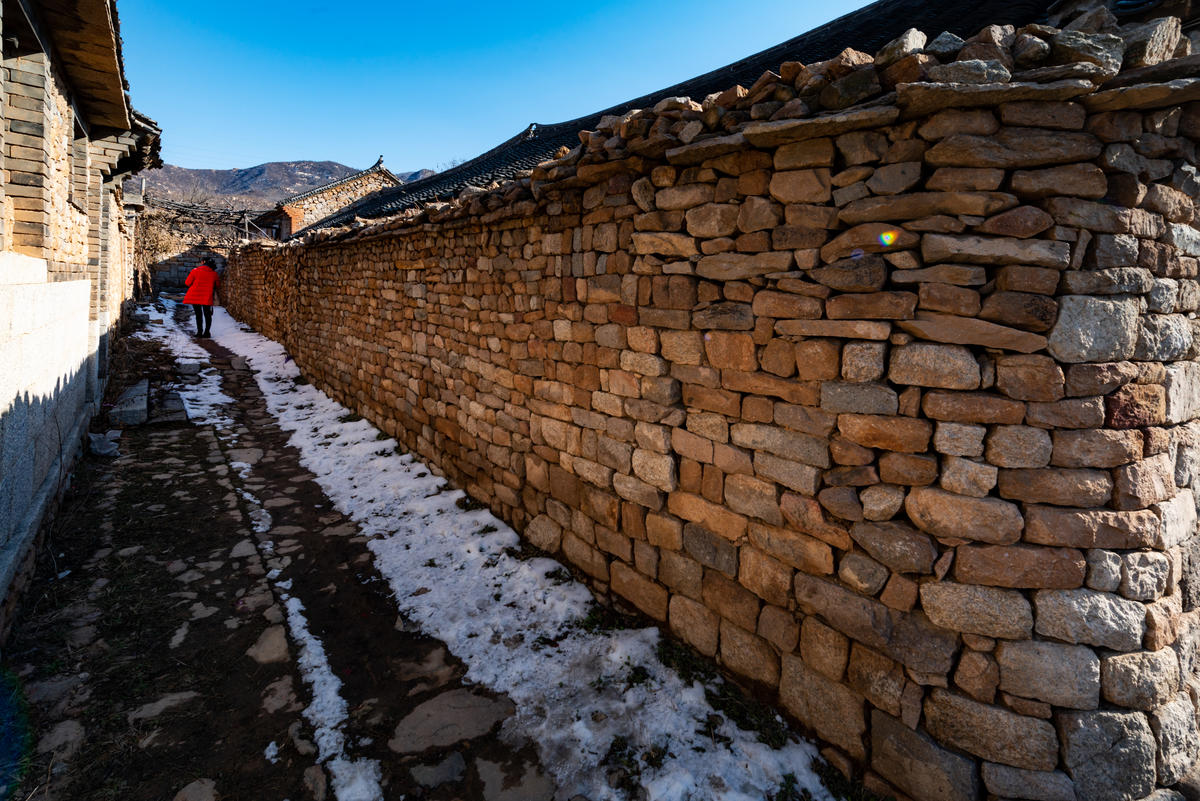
(888, 238)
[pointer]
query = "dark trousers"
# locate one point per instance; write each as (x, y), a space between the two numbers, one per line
(203, 319)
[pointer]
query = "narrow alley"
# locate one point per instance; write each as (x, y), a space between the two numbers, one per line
(259, 598)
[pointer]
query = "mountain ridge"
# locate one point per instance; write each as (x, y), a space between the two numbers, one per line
(258, 187)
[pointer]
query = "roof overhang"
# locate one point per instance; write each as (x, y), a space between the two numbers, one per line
(86, 41)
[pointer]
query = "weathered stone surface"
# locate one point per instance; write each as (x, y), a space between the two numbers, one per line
(978, 676)
(865, 274)
(899, 546)
(1020, 566)
(706, 149)
(794, 548)
(1178, 517)
(858, 397)
(1145, 96)
(944, 514)
(1078, 180)
(957, 439)
(863, 619)
(1021, 222)
(873, 237)
(1091, 528)
(664, 244)
(1096, 448)
(917, 765)
(738, 266)
(995, 734)
(973, 407)
(1056, 486)
(914, 205)
(1182, 385)
(965, 477)
(1141, 484)
(1062, 675)
(781, 132)
(1144, 575)
(835, 712)
(994, 250)
(1087, 616)
(1019, 447)
(1151, 42)
(748, 655)
(1174, 727)
(928, 365)
(1102, 49)
(900, 434)
(1142, 680)
(987, 611)
(849, 329)
(862, 573)
(544, 533)
(1162, 337)
(1093, 329)
(1109, 755)
(1014, 148)
(1009, 782)
(921, 98)
(971, 331)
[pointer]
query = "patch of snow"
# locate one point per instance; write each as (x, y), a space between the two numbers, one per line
(271, 752)
(204, 401)
(515, 623)
(353, 779)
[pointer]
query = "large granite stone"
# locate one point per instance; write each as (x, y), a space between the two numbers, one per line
(1109, 755)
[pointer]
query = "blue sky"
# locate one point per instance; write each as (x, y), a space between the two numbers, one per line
(234, 84)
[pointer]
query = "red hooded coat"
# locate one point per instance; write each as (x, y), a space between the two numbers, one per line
(202, 285)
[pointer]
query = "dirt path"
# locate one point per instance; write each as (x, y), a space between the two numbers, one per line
(163, 643)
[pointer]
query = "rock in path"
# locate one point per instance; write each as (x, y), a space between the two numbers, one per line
(270, 647)
(447, 719)
(199, 790)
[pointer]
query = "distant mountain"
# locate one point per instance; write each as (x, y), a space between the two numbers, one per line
(257, 187)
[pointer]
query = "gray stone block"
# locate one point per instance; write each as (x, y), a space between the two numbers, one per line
(917, 765)
(133, 407)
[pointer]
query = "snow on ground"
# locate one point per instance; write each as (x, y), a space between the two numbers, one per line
(204, 401)
(516, 623)
(353, 779)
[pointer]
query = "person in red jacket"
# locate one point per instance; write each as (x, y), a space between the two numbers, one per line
(202, 283)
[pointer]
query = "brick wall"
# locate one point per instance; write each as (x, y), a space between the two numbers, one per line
(891, 411)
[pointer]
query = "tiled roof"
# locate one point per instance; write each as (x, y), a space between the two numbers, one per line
(376, 167)
(867, 29)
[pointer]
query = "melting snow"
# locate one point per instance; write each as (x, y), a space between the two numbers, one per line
(514, 623)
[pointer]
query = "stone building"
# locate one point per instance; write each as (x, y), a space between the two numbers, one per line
(69, 136)
(873, 377)
(295, 213)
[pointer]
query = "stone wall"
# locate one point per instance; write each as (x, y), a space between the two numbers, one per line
(67, 219)
(43, 352)
(890, 410)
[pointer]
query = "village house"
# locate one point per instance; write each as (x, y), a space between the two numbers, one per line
(69, 137)
(301, 210)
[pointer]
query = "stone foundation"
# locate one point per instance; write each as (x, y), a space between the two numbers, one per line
(890, 410)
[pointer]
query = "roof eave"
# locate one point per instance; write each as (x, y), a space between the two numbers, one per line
(88, 45)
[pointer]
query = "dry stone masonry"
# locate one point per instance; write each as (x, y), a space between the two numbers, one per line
(875, 381)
